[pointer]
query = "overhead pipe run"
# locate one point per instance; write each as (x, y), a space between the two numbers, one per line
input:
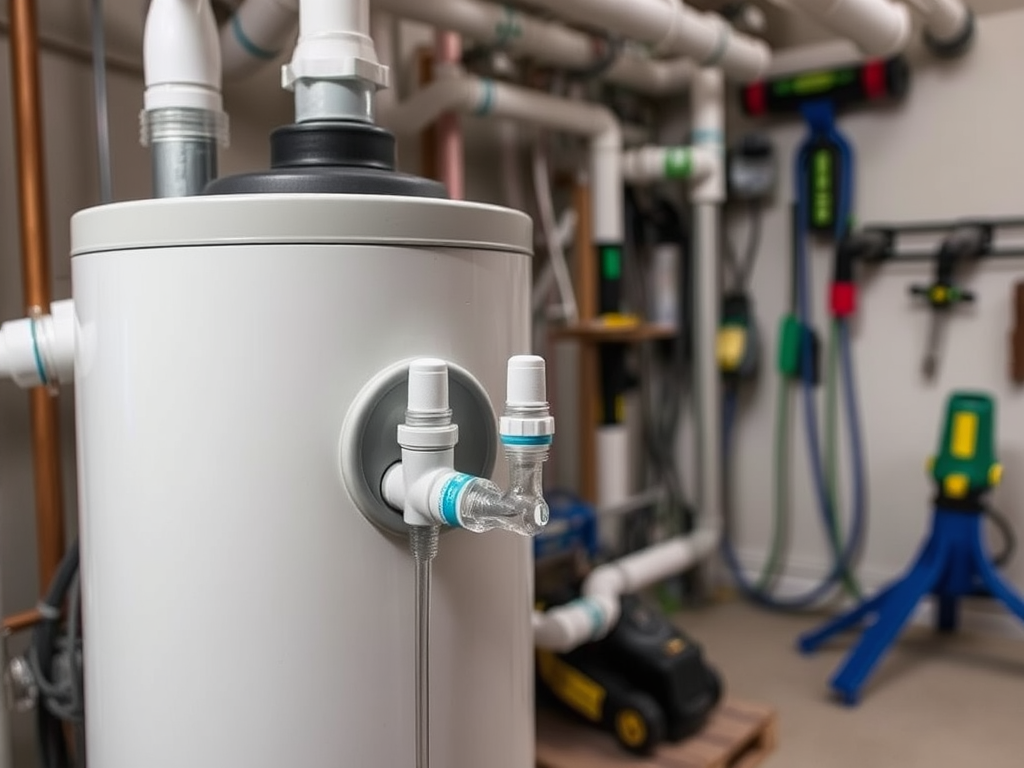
(480, 96)
(672, 29)
(256, 34)
(504, 27)
(878, 27)
(948, 26)
(882, 28)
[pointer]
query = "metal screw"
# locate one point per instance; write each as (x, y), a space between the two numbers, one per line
(22, 690)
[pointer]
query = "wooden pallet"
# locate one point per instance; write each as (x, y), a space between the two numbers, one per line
(739, 734)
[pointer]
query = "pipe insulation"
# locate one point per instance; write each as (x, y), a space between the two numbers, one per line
(504, 27)
(878, 27)
(672, 29)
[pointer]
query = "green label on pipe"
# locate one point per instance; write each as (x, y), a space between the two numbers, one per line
(678, 163)
(611, 262)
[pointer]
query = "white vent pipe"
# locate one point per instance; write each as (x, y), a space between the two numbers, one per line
(672, 29)
(504, 27)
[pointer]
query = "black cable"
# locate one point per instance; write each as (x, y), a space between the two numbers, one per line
(1006, 532)
(740, 271)
(57, 702)
(662, 376)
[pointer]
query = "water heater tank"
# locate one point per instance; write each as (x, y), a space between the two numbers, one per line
(239, 608)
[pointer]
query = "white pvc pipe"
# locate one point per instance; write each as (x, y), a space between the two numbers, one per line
(463, 93)
(331, 17)
(673, 29)
(613, 464)
(597, 611)
(803, 58)
(707, 108)
(944, 19)
(334, 70)
(255, 35)
(642, 165)
(507, 28)
(181, 56)
(878, 27)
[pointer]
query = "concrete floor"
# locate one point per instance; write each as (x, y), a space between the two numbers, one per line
(934, 702)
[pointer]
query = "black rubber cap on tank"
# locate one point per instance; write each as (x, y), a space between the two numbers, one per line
(329, 157)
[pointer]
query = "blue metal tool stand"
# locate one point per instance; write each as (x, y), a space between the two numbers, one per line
(952, 564)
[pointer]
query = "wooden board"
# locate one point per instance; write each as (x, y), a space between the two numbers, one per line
(739, 734)
(596, 332)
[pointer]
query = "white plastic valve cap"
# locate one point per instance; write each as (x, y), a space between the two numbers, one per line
(428, 385)
(527, 384)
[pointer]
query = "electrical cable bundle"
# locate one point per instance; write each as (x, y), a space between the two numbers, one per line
(55, 658)
(798, 336)
(662, 371)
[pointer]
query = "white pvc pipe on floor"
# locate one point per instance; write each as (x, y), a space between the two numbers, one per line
(504, 27)
(594, 614)
(878, 27)
(672, 29)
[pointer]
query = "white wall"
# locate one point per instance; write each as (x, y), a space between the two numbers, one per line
(953, 149)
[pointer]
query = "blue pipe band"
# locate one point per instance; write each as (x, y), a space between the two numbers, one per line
(596, 614)
(248, 45)
(450, 493)
(487, 101)
(40, 368)
(526, 439)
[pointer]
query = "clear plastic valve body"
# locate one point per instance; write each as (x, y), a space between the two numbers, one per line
(522, 508)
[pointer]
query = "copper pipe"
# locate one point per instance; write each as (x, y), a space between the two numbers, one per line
(586, 297)
(35, 260)
(450, 157)
(22, 621)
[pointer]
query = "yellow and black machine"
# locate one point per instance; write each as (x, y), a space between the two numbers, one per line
(646, 682)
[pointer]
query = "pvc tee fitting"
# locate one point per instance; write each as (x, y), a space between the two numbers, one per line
(425, 485)
(40, 351)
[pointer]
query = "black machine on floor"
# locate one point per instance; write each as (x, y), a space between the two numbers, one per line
(646, 682)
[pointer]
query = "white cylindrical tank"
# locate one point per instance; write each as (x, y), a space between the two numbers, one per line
(239, 609)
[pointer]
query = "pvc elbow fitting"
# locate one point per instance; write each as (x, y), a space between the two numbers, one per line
(182, 56)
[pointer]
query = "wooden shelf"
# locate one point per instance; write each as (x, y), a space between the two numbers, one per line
(599, 333)
(739, 734)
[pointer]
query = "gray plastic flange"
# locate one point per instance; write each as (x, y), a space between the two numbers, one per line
(369, 437)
